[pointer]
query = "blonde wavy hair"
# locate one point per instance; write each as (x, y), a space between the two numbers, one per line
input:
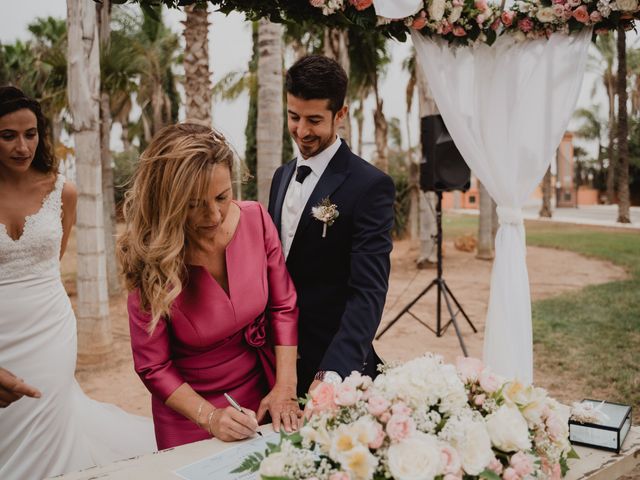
(174, 169)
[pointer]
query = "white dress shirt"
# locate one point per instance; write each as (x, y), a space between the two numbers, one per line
(297, 195)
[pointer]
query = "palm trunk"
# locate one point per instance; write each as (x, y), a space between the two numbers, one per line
(485, 225)
(414, 187)
(92, 312)
(381, 129)
(623, 131)
(197, 83)
(545, 210)
(610, 148)
(270, 106)
(336, 46)
(103, 14)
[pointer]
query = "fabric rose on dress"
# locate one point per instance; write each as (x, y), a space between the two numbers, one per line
(508, 429)
(406, 464)
(255, 333)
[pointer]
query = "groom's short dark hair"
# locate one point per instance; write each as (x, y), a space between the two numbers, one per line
(317, 77)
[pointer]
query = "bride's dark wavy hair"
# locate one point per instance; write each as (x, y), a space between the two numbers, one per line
(13, 99)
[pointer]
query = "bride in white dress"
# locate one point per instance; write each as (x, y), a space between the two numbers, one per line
(63, 430)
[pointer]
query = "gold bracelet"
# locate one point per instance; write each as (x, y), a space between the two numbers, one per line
(209, 422)
(199, 413)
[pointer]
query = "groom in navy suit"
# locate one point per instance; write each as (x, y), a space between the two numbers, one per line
(339, 261)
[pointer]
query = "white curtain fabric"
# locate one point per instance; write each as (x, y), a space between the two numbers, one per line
(397, 8)
(506, 107)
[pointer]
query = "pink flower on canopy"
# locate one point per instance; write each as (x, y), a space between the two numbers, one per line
(346, 394)
(400, 408)
(495, 466)
(522, 464)
(510, 474)
(450, 462)
(317, 3)
(377, 405)
(420, 21)
(446, 28)
(469, 368)
(507, 18)
(481, 5)
(458, 3)
(558, 10)
(559, 2)
(340, 476)
(361, 4)
(480, 19)
(525, 24)
(400, 427)
(488, 381)
(595, 16)
(379, 438)
(496, 24)
(459, 31)
(322, 398)
(574, 3)
(581, 14)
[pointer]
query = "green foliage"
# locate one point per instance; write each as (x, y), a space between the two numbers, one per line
(400, 174)
(250, 187)
(124, 167)
(489, 475)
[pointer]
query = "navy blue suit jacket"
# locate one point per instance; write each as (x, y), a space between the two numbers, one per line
(342, 279)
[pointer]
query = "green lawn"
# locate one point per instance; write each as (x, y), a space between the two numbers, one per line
(590, 338)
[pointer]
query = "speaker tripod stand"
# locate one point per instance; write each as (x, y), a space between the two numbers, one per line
(443, 291)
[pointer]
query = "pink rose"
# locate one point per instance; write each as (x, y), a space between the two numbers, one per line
(507, 18)
(479, 399)
(446, 28)
(481, 5)
(361, 4)
(379, 437)
(377, 405)
(420, 21)
(340, 476)
(510, 474)
(574, 3)
(400, 427)
(522, 464)
(459, 31)
(384, 418)
(495, 466)
(480, 19)
(450, 462)
(322, 398)
(469, 368)
(581, 14)
(595, 16)
(458, 3)
(317, 3)
(526, 25)
(559, 2)
(558, 10)
(555, 426)
(346, 394)
(556, 472)
(400, 408)
(496, 24)
(489, 382)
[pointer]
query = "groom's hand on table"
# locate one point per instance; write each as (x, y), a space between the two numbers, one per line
(13, 388)
(282, 405)
(228, 424)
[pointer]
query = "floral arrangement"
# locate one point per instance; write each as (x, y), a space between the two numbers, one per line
(424, 420)
(466, 22)
(325, 212)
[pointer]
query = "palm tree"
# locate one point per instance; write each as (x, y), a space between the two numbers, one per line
(622, 130)
(197, 82)
(593, 128)
(545, 209)
(94, 327)
(337, 46)
(414, 168)
(270, 105)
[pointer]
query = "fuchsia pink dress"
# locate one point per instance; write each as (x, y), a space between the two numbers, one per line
(214, 342)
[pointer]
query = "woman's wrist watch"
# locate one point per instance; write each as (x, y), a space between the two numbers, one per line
(328, 376)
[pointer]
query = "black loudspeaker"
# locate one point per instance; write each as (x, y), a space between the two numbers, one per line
(442, 168)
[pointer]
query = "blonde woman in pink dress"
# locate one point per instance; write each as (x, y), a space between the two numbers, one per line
(212, 308)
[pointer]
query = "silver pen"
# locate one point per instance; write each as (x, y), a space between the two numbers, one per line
(235, 405)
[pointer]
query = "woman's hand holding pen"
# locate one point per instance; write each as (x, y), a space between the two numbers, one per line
(228, 424)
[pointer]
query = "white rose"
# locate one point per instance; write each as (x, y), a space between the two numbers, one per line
(627, 5)
(474, 447)
(436, 10)
(273, 465)
(360, 463)
(454, 16)
(545, 15)
(508, 429)
(415, 458)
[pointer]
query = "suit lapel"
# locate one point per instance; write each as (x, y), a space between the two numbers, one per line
(333, 176)
(287, 173)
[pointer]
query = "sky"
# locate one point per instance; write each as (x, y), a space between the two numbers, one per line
(232, 30)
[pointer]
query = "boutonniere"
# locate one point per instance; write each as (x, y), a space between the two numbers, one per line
(326, 212)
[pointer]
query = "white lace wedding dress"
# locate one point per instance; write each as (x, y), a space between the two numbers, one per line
(64, 430)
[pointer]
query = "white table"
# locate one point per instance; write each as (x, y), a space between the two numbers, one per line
(593, 464)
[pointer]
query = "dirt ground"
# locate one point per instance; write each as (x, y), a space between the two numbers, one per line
(551, 272)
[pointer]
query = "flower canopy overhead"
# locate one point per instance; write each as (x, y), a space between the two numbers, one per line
(460, 22)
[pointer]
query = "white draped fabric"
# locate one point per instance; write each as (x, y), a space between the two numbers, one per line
(397, 8)
(506, 107)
